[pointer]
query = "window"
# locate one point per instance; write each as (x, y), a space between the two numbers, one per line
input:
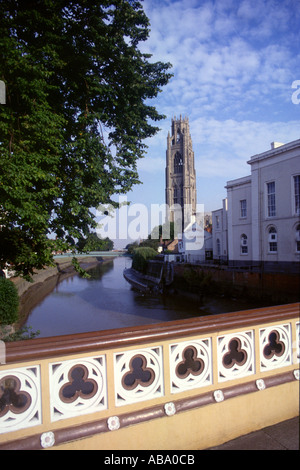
(181, 195)
(297, 193)
(217, 221)
(298, 238)
(272, 240)
(218, 247)
(244, 244)
(271, 199)
(175, 199)
(178, 195)
(243, 204)
(178, 163)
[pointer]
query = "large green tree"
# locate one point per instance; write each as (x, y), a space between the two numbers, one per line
(76, 115)
(95, 243)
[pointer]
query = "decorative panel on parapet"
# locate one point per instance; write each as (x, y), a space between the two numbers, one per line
(190, 364)
(77, 387)
(20, 398)
(275, 346)
(138, 375)
(236, 357)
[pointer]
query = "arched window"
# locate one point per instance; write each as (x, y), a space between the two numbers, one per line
(178, 163)
(298, 238)
(244, 244)
(272, 240)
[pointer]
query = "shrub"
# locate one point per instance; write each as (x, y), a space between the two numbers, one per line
(141, 256)
(9, 302)
(22, 334)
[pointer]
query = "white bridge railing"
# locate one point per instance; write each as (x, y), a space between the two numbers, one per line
(185, 384)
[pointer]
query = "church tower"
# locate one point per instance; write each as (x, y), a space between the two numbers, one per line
(180, 172)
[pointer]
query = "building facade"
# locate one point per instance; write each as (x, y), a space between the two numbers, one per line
(219, 238)
(180, 173)
(263, 211)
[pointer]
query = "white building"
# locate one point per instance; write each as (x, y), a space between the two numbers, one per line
(263, 213)
(220, 229)
(195, 243)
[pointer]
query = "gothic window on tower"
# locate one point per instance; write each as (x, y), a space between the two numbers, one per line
(175, 200)
(178, 163)
(178, 135)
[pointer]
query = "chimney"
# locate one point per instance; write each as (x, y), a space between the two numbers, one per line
(275, 145)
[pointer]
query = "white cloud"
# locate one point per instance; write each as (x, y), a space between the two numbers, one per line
(233, 64)
(222, 148)
(215, 45)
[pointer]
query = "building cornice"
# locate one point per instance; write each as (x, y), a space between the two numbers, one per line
(276, 151)
(238, 182)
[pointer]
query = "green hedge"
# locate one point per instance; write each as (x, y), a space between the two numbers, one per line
(9, 302)
(140, 258)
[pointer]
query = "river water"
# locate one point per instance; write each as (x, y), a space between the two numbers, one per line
(107, 301)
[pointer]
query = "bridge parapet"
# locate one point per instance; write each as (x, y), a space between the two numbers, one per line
(185, 384)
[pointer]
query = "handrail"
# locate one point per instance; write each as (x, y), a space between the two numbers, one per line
(71, 344)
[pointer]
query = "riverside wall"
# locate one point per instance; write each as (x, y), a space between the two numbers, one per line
(45, 280)
(225, 281)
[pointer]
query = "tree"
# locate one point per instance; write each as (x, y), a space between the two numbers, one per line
(9, 302)
(75, 119)
(94, 243)
(140, 258)
(164, 232)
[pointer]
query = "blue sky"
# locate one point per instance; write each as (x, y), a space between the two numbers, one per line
(234, 63)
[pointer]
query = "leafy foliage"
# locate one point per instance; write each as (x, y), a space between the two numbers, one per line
(9, 302)
(140, 258)
(164, 232)
(82, 272)
(94, 243)
(75, 119)
(22, 334)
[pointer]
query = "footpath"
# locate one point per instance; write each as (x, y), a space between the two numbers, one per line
(281, 436)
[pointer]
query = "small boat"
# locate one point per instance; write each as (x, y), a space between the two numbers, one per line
(137, 280)
(157, 276)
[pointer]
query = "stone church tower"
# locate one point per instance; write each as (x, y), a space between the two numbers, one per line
(180, 172)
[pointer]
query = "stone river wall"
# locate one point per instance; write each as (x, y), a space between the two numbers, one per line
(45, 280)
(275, 287)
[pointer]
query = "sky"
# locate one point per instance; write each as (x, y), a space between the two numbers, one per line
(235, 63)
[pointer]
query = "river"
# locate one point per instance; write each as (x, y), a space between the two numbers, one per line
(106, 301)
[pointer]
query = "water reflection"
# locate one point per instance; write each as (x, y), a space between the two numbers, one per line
(106, 301)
